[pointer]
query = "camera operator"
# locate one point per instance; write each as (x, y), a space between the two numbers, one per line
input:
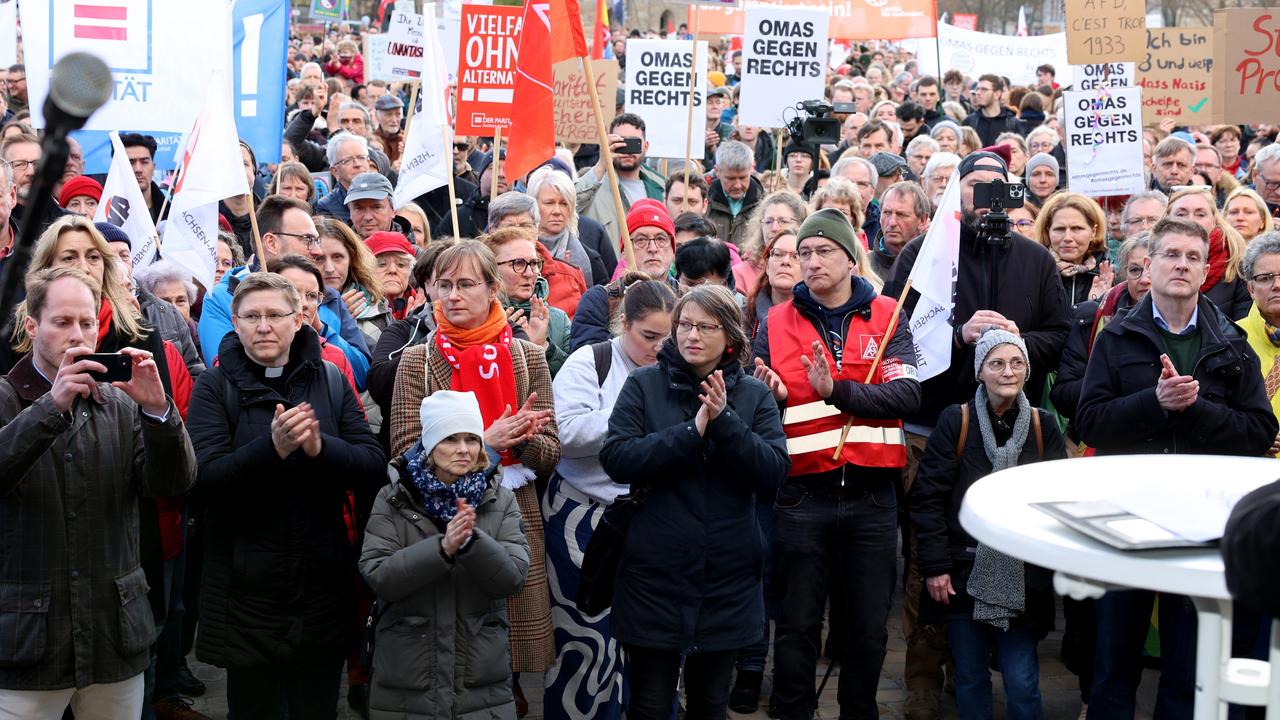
(1004, 281)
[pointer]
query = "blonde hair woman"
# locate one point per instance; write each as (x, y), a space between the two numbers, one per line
(1074, 228)
(1246, 211)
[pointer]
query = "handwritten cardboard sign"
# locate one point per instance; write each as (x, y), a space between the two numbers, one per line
(1246, 82)
(1175, 76)
(1103, 31)
(575, 123)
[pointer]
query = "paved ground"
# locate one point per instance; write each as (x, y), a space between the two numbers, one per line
(1058, 686)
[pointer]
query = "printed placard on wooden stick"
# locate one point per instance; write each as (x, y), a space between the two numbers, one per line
(658, 91)
(783, 55)
(486, 67)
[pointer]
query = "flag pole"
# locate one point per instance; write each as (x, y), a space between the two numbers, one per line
(606, 156)
(693, 79)
(413, 106)
(165, 205)
(496, 164)
(884, 341)
(257, 236)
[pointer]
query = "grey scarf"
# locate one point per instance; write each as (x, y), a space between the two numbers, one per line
(997, 583)
(567, 243)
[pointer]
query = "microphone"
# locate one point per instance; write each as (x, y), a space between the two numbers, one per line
(79, 84)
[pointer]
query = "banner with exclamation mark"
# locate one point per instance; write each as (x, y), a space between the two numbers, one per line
(260, 37)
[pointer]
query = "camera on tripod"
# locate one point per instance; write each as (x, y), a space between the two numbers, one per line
(999, 196)
(814, 125)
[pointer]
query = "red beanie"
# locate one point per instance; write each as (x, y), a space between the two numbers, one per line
(651, 213)
(1001, 150)
(77, 186)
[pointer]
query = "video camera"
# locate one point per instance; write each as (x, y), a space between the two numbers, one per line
(999, 196)
(813, 124)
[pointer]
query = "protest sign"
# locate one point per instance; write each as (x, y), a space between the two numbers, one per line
(1246, 83)
(330, 10)
(782, 62)
(1099, 75)
(1175, 75)
(966, 21)
(449, 31)
(375, 58)
(8, 32)
(658, 91)
(404, 45)
(848, 19)
(575, 123)
(260, 37)
(1105, 30)
(1104, 141)
(976, 53)
(486, 68)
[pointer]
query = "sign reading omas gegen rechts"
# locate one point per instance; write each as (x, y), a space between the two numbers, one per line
(783, 57)
(658, 91)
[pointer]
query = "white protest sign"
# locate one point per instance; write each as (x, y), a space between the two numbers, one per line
(376, 66)
(8, 32)
(783, 55)
(658, 91)
(404, 46)
(1096, 76)
(1104, 141)
(975, 53)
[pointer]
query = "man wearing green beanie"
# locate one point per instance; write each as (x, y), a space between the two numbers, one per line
(845, 438)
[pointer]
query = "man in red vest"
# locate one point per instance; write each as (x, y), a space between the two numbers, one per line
(837, 510)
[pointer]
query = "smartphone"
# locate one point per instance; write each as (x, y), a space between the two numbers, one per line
(631, 146)
(119, 367)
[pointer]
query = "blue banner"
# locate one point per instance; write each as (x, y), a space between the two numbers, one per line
(259, 51)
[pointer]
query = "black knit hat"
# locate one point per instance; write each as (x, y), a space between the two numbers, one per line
(1249, 548)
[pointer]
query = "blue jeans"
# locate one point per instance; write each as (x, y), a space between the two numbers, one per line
(857, 536)
(970, 643)
(1123, 618)
(752, 657)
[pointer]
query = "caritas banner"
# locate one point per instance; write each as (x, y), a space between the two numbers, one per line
(850, 19)
(487, 67)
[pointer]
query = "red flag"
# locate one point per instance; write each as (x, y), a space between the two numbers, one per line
(568, 40)
(600, 38)
(533, 135)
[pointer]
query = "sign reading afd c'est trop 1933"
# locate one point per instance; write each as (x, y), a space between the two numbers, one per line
(658, 91)
(783, 55)
(1104, 141)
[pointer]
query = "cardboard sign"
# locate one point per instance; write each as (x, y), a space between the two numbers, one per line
(1246, 83)
(849, 19)
(1104, 141)
(782, 62)
(1103, 75)
(575, 123)
(1175, 76)
(1105, 30)
(404, 46)
(658, 91)
(487, 68)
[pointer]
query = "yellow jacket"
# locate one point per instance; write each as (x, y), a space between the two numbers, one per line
(1256, 329)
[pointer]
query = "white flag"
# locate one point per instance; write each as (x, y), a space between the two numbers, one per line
(934, 277)
(1022, 21)
(123, 206)
(212, 170)
(427, 159)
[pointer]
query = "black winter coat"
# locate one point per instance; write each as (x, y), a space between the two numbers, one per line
(1017, 279)
(1232, 298)
(943, 546)
(693, 556)
(1119, 413)
(279, 562)
(1065, 393)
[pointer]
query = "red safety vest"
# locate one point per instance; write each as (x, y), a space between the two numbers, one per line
(812, 426)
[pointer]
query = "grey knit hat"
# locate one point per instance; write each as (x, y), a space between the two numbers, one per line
(1041, 159)
(948, 124)
(992, 339)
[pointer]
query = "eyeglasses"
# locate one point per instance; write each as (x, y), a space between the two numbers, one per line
(1269, 185)
(650, 242)
(776, 221)
(1265, 278)
(1039, 147)
(255, 319)
(444, 288)
(20, 165)
(998, 366)
(309, 239)
(686, 327)
(313, 297)
(823, 253)
(460, 146)
(404, 263)
(1173, 256)
(1208, 166)
(1134, 271)
(1144, 222)
(520, 265)
(1023, 224)
(353, 159)
(776, 254)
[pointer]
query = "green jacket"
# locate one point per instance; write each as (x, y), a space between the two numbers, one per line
(557, 333)
(596, 201)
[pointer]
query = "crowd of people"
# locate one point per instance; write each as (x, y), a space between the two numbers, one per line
(382, 448)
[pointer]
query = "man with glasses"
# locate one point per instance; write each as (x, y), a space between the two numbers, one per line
(1266, 177)
(1142, 211)
(835, 514)
(16, 88)
(348, 157)
(990, 115)
(1175, 375)
(22, 152)
(287, 229)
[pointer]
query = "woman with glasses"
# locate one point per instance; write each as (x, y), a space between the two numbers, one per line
(780, 212)
(1023, 219)
(1073, 228)
(1223, 283)
(985, 598)
(524, 294)
(1246, 211)
(473, 348)
(781, 273)
(697, 439)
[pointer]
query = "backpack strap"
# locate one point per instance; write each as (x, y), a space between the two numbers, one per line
(964, 430)
(602, 352)
(1035, 425)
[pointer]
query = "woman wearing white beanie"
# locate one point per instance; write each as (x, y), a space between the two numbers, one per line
(443, 550)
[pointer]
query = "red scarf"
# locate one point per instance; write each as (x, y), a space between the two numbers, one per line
(1218, 256)
(104, 320)
(481, 362)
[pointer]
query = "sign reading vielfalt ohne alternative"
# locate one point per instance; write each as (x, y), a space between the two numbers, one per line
(782, 61)
(486, 68)
(1176, 75)
(1100, 75)
(1105, 30)
(658, 91)
(404, 45)
(1104, 141)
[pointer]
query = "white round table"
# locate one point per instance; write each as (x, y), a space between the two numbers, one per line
(997, 512)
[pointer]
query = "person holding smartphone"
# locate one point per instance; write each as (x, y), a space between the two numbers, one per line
(628, 144)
